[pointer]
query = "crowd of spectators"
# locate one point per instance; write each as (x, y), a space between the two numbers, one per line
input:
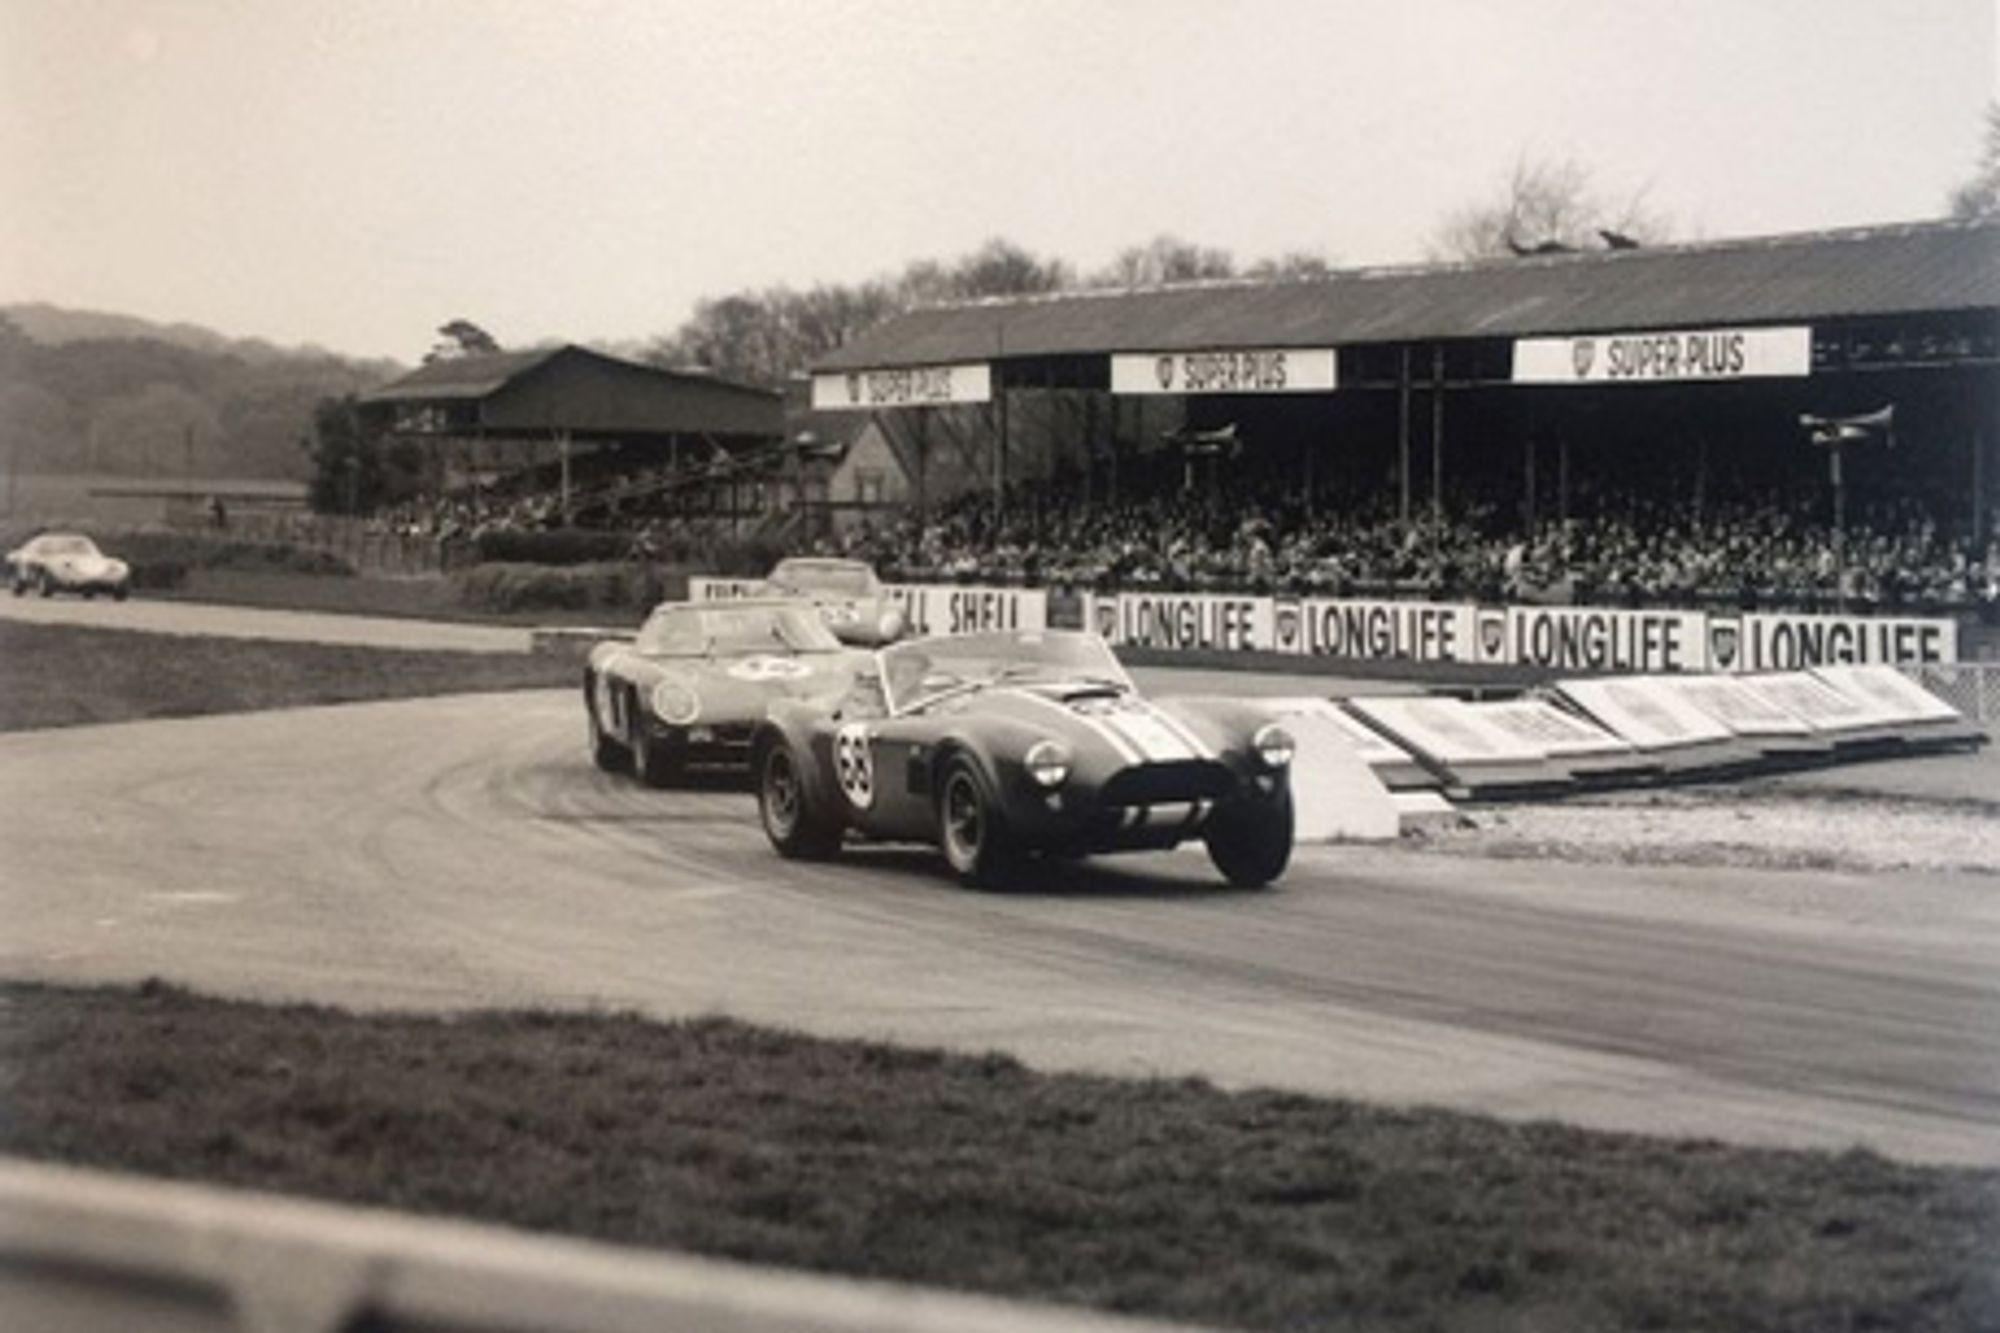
(1627, 551)
(1616, 548)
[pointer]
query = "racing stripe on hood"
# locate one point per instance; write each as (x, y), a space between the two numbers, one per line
(1123, 748)
(1149, 731)
(1193, 740)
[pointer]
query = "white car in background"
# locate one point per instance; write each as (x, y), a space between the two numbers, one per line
(66, 562)
(849, 596)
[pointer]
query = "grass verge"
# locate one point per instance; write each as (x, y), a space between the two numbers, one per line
(1256, 1210)
(69, 675)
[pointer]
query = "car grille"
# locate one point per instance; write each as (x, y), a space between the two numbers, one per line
(1179, 780)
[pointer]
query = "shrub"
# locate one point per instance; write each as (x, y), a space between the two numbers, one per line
(612, 586)
(559, 546)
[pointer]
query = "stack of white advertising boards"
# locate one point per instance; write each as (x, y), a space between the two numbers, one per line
(1618, 730)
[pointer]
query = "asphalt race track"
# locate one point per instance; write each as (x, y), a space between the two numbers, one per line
(463, 852)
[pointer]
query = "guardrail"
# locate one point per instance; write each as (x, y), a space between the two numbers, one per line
(85, 1251)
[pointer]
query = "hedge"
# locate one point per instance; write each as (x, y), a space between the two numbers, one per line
(606, 586)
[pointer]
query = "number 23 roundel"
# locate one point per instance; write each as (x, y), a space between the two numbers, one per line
(854, 764)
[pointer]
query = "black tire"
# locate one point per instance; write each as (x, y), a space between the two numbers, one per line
(20, 586)
(794, 815)
(1250, 840)
(48, 585)
(972, 832)
(120, 593)
(606, 751)
(659, 759)
(90, 594)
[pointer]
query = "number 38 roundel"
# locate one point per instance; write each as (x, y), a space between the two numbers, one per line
(854, 764)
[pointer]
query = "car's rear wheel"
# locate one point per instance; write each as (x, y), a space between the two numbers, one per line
(606, 751)
(971, 831)
(120, 593)
(795, 819)
(1250, 839)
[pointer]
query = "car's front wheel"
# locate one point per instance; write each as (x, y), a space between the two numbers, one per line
(1250, 839)
(606, 751)
(971, 831)
(48, 588)
(795, 819)
(121, 592)
(660, 759)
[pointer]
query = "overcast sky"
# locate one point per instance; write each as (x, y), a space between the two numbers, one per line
(355, 172)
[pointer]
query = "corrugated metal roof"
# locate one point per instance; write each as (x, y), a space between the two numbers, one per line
(1778, 279)
(460, 377)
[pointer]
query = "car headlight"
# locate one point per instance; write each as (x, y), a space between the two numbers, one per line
(1047, 763)
(675, 703)
(891, 625)
(1274, 745)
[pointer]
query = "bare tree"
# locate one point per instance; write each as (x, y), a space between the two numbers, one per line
(1980, 196)
(1291, 266)
(1164, 259)
(1545, 207)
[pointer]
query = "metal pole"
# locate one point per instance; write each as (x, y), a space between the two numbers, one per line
(1528, 483)
(1437, 443)
(1403, 438)
(1839, 527)
(562, 446)
(1562, 478)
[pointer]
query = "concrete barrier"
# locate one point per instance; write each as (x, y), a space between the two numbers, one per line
(1337, 796)
(89, 1252)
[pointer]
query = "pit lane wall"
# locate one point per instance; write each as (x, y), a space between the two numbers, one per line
(1562, 639)
(91, 1252)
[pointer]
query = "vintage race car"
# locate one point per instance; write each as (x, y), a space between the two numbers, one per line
(66, 562)
(856, 606)
(693, 685)
(993, 746)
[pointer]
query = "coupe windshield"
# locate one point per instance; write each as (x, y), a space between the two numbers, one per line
(719, 628)
(841, 580)
(923, 670)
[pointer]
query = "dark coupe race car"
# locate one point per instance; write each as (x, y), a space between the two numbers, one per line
(694, 684)
(992, 746)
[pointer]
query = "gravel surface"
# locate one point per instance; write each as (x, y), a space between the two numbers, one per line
(1765, 825)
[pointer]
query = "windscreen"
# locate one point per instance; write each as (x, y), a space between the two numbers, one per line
(720, 629)
(840, 580)
(922, 670)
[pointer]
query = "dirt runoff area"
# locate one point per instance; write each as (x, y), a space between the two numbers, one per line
(1938, 813)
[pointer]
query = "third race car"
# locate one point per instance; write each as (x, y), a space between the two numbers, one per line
(1000, 745)
(66, 562)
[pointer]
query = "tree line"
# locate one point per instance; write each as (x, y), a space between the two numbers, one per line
(147, 407)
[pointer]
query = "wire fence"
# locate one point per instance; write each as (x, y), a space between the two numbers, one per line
(1973, 688)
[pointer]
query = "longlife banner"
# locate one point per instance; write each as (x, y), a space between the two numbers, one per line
(1559, 638)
